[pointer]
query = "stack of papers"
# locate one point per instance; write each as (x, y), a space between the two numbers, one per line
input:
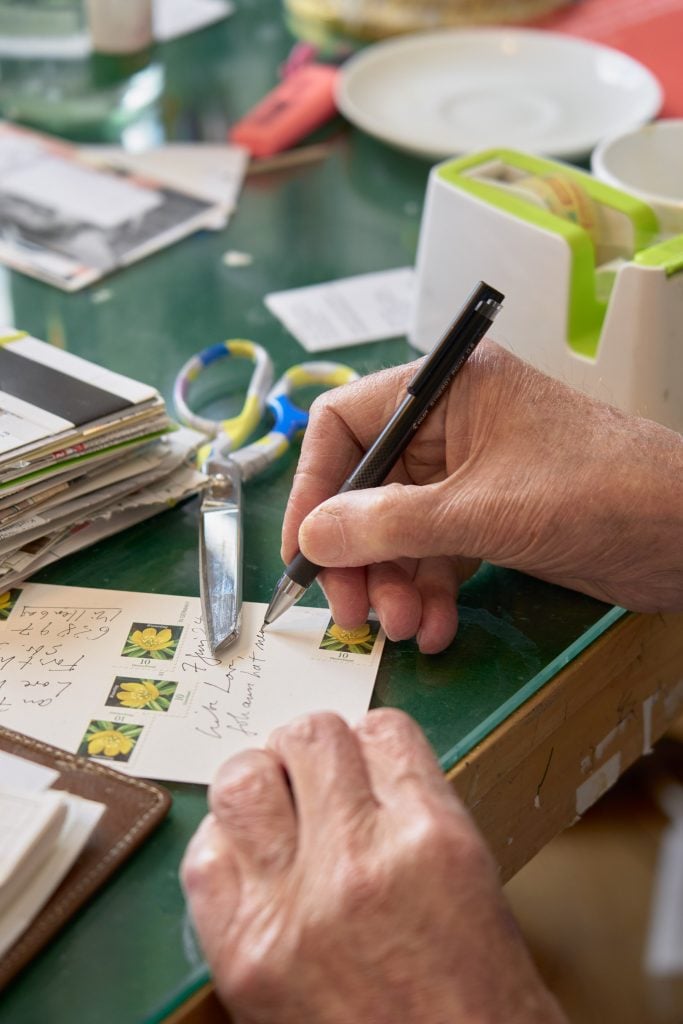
(83, 453)
(43, 832)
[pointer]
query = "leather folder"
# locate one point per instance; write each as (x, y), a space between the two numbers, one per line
(134, 808)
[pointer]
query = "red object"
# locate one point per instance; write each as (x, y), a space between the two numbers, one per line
(649, 30)
(301, 103)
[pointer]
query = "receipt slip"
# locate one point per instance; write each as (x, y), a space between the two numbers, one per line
(296, 107)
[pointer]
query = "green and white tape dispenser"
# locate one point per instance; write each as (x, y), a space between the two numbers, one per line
(594, 293)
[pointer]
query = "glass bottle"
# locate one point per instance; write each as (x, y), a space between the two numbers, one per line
(52, 79)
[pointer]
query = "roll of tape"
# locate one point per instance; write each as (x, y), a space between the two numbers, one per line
(564, 197)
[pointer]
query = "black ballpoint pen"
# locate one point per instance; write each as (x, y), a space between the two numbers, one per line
(422, 393)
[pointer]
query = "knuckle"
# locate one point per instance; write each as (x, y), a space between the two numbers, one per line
(400, 527)
(393, 726)
(355, 886)
(320, 408)
(198, 866)
(364, 888)
(447, 843)
(322, 727)
(256, 976)
(245, 777)
(426, 835)
(435, 836)
(389, 496)
(194, 873)
(321, 403)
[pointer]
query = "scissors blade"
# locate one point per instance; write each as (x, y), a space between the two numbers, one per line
(220, 554)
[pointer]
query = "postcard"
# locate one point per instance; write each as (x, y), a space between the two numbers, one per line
(129, 679)
(69, 224)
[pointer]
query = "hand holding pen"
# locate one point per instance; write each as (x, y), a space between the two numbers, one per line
(512, 467)
(423, 392)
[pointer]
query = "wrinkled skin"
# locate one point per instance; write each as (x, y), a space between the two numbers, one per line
(512, 467)
(338, 880)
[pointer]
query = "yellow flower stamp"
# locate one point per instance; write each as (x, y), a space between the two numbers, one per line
(147, 640)
(8, 599)
(112, 741)
(143, 694)
(350, 641)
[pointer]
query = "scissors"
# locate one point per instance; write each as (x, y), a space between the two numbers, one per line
(228, 462)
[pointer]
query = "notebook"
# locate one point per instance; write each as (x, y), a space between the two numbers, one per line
(81, 820)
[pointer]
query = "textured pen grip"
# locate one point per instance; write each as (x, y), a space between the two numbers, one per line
(371, 471)
(301, 571)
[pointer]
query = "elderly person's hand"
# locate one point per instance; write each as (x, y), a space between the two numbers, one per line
(512, 467)
(338, 880)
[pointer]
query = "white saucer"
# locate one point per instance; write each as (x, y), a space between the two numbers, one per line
(441, 93)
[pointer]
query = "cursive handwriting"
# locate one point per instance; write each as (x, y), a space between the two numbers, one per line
(52, 690)
(212, 727)
(232, 710)
(225, 686)
(216, 720)
(255, 664)
(200, 657)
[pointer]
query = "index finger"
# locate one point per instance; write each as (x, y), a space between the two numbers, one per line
(342, 426)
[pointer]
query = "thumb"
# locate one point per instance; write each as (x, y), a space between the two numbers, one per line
(378, 525)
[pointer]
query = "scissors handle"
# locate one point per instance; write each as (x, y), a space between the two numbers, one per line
(290, 419)
(237, 429)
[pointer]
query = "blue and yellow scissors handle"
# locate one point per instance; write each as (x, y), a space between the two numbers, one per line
(234, 431)
(290, 419)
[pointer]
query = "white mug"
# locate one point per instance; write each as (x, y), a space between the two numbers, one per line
(648, 163)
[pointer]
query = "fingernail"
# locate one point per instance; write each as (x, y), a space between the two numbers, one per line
(321, 537)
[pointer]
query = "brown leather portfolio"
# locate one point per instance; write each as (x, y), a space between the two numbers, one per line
(133, 810)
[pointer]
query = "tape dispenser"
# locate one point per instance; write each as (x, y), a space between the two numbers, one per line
(594, 294)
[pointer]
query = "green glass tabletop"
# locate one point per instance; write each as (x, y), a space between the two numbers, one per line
(130, 956)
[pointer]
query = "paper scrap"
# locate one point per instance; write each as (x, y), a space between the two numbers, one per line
(235, 258)
(367, 307)
(129, 679)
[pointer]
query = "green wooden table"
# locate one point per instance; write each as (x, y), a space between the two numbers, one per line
(130, 956)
